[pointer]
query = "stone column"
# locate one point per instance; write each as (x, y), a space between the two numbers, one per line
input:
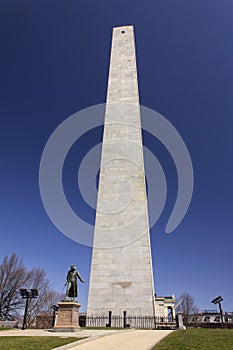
(179, 321)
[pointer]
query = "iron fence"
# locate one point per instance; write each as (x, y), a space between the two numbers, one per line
(209, 325)
(141, 322)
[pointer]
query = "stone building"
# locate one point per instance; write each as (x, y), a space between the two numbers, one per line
(165, 307)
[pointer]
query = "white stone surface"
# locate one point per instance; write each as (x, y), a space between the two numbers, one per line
(121, 272)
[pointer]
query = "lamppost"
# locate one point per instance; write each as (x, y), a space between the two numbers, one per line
(218, 301)
(27, 294)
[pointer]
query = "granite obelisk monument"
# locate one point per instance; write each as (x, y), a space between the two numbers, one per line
(121, 271)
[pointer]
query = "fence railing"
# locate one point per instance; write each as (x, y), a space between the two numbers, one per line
(142, 322)
(209, 325)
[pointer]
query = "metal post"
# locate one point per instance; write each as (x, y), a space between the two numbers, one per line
(110, 319)
(220, 308)
(218, 301)
(25, 294)
(124, 319)
(25, 313)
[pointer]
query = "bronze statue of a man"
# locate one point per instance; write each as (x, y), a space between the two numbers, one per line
(71, 283)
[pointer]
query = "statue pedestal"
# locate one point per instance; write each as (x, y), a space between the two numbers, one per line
(68, 317)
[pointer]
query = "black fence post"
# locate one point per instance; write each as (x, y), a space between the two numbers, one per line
(124, 319)
(109, 324)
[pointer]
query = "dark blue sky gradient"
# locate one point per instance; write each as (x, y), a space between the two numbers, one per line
(54, 62)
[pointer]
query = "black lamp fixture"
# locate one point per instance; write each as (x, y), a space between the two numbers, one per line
(27, 294)
(218, 300)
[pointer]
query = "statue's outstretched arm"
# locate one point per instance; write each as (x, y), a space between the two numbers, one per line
(80, 278)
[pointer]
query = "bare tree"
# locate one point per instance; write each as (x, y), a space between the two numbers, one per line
(186, 305)
(13, 277)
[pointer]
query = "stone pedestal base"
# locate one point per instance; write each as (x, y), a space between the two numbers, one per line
(68, 317)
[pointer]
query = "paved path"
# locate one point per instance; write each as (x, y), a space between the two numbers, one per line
(127, 340)
(101, 339)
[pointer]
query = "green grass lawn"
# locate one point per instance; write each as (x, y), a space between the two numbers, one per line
(33, 343)
(198, 339)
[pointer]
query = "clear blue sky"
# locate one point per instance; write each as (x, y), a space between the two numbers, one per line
(54, 62)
